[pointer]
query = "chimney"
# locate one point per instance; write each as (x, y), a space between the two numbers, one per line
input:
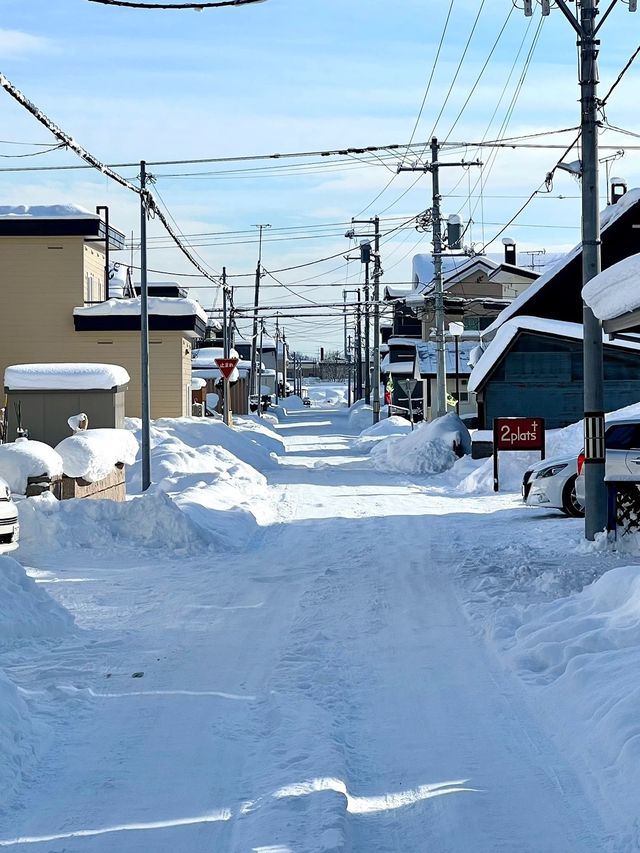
(509, 251)
(618, 188)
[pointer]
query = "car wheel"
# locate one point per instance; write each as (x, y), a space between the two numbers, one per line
(570, 504)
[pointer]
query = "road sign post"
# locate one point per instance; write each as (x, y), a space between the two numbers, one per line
(226, 366)
(516, 434)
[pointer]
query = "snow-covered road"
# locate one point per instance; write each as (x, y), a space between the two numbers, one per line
(321, 689)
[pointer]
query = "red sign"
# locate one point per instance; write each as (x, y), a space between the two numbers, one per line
(518, 433)
(226, 366)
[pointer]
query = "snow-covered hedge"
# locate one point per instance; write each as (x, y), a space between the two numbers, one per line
(93, 454)
(23, 458)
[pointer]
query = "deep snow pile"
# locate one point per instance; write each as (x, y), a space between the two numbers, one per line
(292, 403)
(583, 651)
(23, 458)
(360, 416)
(431, 448)
(393, 426)
(27, 613)
(152, 521)
(327, 395)
(93, 454)
(213, 474)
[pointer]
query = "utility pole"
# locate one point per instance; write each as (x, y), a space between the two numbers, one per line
(284, 363)
(349, 370)
(594, 447)
(366, 249)
(359, 348)
(256, 303)
(144, 333)
(436, 226)
(365, 257)
(346, 350)
(377, 272)
(277, 345)
(226, 344)
(260, 370)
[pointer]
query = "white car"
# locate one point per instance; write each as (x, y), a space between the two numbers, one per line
(9, 527)
(551, 484)
(622, 453)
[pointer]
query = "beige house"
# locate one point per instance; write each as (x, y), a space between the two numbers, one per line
(56, 306)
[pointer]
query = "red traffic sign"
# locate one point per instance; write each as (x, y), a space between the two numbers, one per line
(226, 366)
(519, 433)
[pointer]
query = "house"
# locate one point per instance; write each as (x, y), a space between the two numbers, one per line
(533, 361)
(400, 363)
(533, 368)
(57, 305)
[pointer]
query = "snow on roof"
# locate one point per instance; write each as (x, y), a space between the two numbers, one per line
(427, 353)
(48, 211)
(206, 357)
(508, 331)
(616, 290)
(607, 217)
(71, 376)
(159, 305)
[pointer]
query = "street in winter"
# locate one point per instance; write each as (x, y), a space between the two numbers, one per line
(320, 426)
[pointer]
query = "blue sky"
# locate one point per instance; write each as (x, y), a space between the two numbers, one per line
(296, 75)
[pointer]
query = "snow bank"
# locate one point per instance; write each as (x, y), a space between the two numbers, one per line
(292, 403)
(93, 454)
(393, 426)
(583, 651)
(213, 474)
(327, 395)
(151, 521)
(360, 416)
(559, 442)
(23, 458)
(258, 428)
(27, 613)
(68, 376)
(431, 448)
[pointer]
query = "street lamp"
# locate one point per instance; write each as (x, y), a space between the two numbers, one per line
(456, 330)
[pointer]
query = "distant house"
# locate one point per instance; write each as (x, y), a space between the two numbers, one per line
(532, 364)
(400, 363)
(56, 305)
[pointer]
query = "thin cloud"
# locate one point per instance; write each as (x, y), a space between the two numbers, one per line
(15, 44)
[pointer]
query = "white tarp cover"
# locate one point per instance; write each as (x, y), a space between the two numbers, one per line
(64, 376)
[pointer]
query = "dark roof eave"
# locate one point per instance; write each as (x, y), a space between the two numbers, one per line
(189, 324)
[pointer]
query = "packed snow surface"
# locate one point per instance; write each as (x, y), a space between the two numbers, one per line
(93, 453)
(294, 650)
(69, 376)
(24, 458)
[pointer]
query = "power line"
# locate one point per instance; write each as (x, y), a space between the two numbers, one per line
(134, 4)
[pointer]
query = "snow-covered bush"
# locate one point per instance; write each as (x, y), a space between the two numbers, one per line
(93, 454)
(22, 458)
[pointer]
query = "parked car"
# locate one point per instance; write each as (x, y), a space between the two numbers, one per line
(9, 526)
(622, 454)
(551, 484)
